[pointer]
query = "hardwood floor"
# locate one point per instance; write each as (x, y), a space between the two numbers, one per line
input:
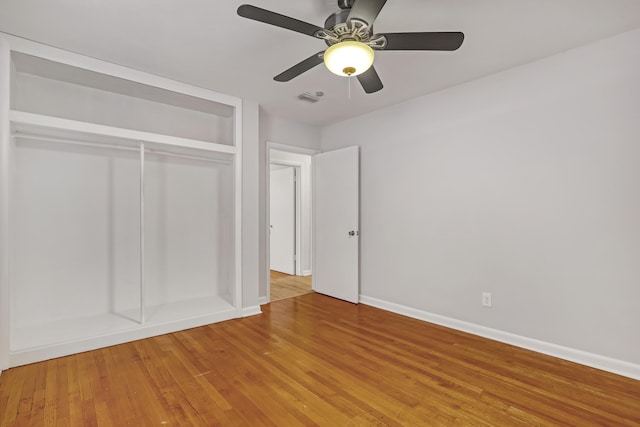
(287, 286)
(314, 360)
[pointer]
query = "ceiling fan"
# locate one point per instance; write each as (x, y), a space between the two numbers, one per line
(351, 40)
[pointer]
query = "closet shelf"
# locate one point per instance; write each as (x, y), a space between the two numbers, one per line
(38, 124)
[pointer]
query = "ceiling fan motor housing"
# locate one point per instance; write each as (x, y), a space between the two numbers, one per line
(338, 28)
(337, 18)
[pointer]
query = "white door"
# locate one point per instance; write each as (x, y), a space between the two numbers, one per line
(282, 214)
(335, 215)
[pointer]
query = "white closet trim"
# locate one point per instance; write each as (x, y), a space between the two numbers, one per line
(22, 135)
(38, 121)
(142, 281)
(113, 96)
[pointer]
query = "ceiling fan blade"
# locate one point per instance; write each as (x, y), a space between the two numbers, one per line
(366, 10)
(424, 41)
(370, 80)
(300, 67)
(273, 18)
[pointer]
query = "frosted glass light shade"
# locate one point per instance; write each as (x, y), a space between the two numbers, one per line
(348, 58)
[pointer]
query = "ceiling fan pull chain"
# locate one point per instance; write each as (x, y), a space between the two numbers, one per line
(349, 86)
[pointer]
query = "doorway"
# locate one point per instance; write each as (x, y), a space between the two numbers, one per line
(289, 222)
(336, 213)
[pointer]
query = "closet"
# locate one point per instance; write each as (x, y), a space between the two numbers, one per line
(120, 213)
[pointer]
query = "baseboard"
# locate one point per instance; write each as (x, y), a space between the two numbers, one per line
(263, 300)
(597, 361)
(251, 311)
(306, 272)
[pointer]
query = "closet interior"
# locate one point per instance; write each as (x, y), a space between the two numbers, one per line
(123, 208)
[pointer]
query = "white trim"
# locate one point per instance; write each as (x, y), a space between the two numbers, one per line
(5, 153)
(143, 284)
(237, 163)
(597, 361)
(300, 226)
(291, 148)
(267, 214)
(39, 120)
(251, 311)
(314, 234)
(263, 300)
(297, 184)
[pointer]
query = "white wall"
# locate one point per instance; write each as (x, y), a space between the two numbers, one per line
(525, 184)
(280, 131)
(75, 232)
(250, 207)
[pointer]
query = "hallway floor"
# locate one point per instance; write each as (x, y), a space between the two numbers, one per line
(286, 286)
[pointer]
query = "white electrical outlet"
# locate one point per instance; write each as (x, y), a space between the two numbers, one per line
(486, 299)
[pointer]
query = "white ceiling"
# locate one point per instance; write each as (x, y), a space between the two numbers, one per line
(205, 43)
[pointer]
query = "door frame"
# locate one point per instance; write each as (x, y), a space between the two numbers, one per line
(295, 150)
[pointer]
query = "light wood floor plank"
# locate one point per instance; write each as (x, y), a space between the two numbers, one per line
(286, 286)
(315, 360)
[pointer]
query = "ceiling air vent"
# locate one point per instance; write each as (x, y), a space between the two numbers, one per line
(311, 97)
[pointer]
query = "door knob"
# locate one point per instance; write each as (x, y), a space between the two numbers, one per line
(353, 233)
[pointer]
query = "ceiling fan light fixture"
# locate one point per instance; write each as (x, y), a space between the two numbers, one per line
(348, 58)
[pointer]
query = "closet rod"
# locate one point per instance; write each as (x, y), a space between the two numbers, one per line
(187, 156)
(70, 141)
(114, 146)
